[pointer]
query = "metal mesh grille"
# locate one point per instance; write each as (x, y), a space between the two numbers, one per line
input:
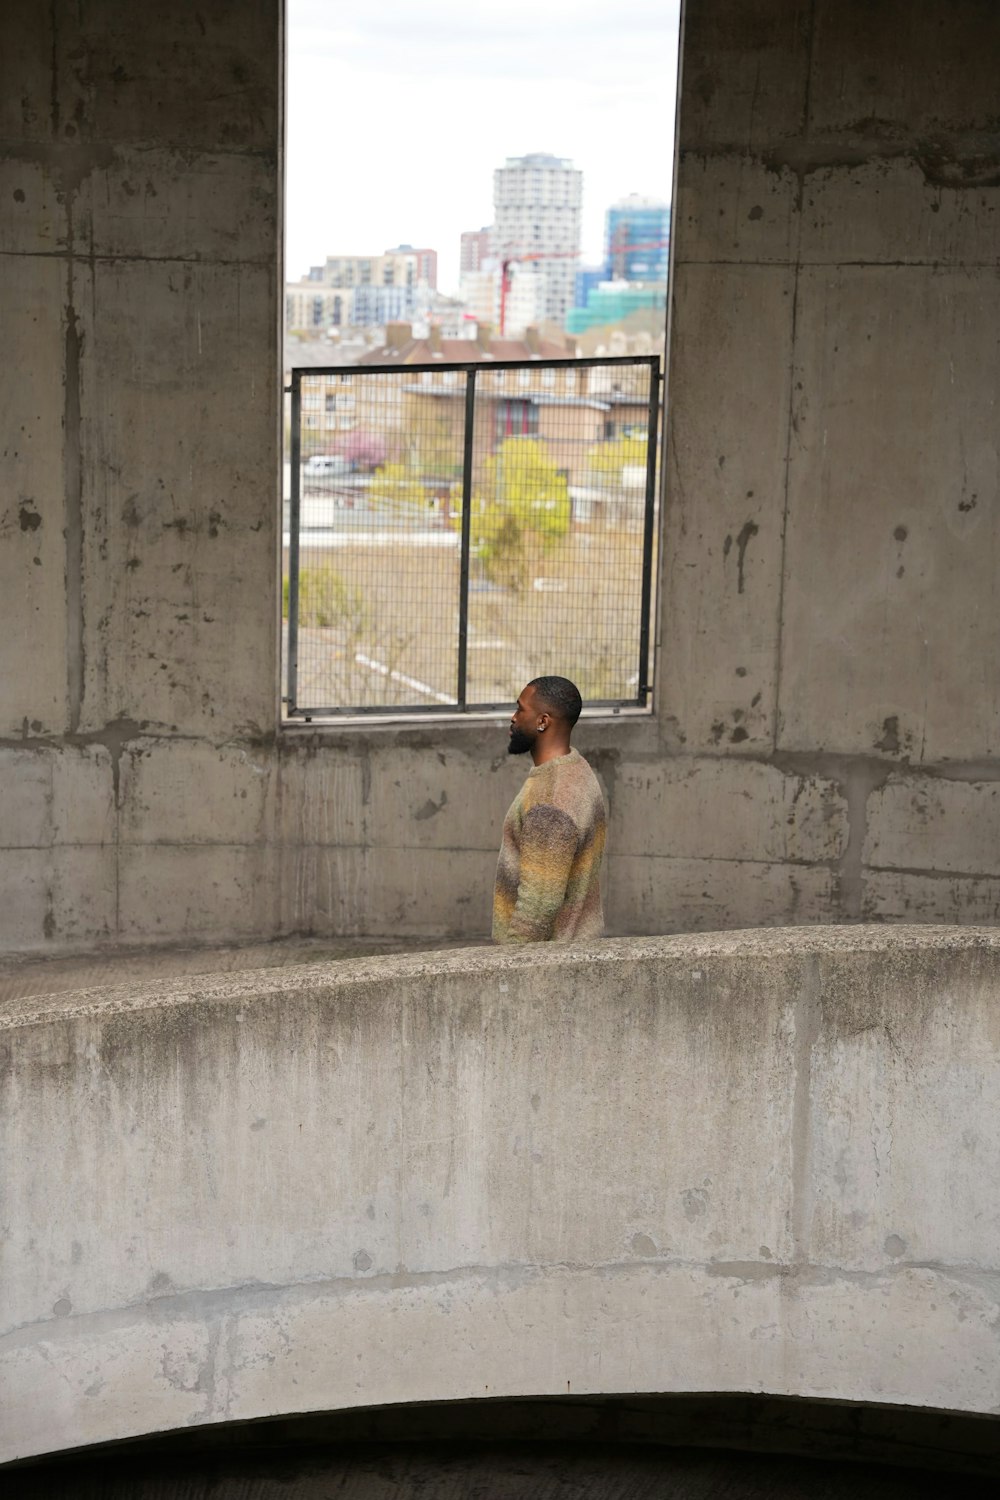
(455, 531)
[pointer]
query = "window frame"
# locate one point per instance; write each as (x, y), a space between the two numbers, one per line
(460, 711)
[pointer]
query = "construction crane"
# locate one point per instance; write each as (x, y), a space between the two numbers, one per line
(619, 253)
(621, 249)
(514, 260)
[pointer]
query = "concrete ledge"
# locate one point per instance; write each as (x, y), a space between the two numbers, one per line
(750, 1162)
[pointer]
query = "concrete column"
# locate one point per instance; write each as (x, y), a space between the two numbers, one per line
(139, 192)
(832, 539)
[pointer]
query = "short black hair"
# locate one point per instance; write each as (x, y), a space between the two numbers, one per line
(560, 696)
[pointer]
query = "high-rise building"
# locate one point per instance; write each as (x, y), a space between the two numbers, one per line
(426, 264)
(537, 201)
(637, 239)
(476, 248)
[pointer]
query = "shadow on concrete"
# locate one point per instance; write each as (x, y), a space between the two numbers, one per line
(681, 1447)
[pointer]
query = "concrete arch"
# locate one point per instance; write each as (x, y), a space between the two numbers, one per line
(582, 1448)
(752, 1162)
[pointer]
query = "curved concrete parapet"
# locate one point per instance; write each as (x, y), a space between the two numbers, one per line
(761, 1161)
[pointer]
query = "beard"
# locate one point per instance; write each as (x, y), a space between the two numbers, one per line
(520, 742)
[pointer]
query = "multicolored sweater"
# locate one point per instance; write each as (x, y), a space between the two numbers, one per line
(548, 875)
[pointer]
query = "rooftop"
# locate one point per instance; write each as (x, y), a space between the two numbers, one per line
(401, 348)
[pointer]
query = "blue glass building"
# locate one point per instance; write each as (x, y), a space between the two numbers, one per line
(637, 239)
(588, 279)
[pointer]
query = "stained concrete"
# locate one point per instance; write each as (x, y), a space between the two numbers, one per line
(824, 742)
(22, 975)
(751, 1162)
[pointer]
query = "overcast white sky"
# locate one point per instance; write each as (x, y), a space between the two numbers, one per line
(399, 110)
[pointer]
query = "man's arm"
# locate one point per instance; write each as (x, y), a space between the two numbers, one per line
(548, 846)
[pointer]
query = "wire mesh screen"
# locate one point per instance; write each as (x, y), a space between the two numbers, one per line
(454, 531)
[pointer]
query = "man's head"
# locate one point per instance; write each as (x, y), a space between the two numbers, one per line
(544, 717)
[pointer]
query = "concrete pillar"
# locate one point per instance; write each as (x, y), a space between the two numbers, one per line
(140, 216)
(833, 538)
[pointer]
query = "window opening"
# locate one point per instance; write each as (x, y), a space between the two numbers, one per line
(446, 529)
(427, 516)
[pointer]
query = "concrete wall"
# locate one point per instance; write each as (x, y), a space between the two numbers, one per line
(825, 740)
(741, 1163)
(833, 534)
(139, 393)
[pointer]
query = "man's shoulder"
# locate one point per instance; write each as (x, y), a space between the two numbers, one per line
(569, 782)
(564, 766)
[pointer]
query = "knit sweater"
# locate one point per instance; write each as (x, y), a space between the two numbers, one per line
(548, 875)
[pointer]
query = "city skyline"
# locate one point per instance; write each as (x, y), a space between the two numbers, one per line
(429, 98)
(536, 202)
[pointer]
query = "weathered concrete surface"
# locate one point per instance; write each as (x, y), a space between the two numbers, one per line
(752, 1162)
(830, 540)
(22, 975)
(825, 634)
(139, 190)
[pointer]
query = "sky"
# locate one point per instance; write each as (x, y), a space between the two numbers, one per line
(399, 110)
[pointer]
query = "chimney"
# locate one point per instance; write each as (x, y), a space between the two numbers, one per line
(533, 339)
(397, 335)
(434, 338)
(484, 336)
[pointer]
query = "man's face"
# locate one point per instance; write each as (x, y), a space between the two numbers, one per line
(523, 724)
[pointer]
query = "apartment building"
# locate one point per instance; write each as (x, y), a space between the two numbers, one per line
(361, 291)
(537, 202)
(476, 248)
(426, 264)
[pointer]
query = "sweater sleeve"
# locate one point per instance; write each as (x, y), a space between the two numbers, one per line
(548, 845)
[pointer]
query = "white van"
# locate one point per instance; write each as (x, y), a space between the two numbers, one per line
(325, 466)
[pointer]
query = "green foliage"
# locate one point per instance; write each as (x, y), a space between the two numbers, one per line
(617, 454)
(604, 672)
(326, 600)
(438, 447)
(355, 624)
(520, 510)
(394, 489)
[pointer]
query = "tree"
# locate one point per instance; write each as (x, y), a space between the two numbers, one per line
(617, 454)
(437, 448)
(520, 510)
(363, 450)
(327, 600)
(393, 488)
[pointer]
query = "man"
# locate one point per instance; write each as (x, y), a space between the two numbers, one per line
(548, 875)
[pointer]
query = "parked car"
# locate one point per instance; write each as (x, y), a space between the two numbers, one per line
(326, 466)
